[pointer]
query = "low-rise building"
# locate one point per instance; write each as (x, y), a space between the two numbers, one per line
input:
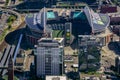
(2, 2)
(65, 23)
(108, 9)
(20, 61)
(91, 78)
(114, 18)
(56, 78)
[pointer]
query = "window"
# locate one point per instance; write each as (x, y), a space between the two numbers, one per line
(46, 60)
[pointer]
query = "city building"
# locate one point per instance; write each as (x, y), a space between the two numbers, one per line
(116, 29)
(35, 5)
(2, 2)
(91, 78)
(89, 49)
(34, 28)
(50, 3)
(19, 64)
(114, 18)
(49, 56)
(117, 64)
(56, 78)
(87, 1)
(70, 4)
(108, 9)
(53, 22)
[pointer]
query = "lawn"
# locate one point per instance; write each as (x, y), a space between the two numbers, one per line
(2, 36)
(6, 78)
(57, 33)
(9, 22)
(11, 19)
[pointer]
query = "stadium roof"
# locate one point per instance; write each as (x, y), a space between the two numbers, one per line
(36, 21)
(97, 21)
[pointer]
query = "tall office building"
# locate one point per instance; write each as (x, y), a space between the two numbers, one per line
(49, 56)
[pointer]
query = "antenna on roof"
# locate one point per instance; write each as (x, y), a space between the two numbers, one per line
(44, 17)
(44, 21)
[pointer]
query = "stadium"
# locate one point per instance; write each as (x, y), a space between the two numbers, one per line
(67, 23)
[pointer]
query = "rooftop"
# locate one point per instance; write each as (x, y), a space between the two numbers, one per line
(20, 60)
(56, 78)
(97, 21)
(50, 15)
(2, 0)
(39, 21)
(59, 39)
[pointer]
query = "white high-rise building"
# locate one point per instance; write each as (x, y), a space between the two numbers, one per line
(49, 56)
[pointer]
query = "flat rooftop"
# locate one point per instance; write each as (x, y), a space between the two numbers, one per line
(56, 78)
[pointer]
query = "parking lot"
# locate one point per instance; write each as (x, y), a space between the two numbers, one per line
(69, 50)
(70, 63)
(107, 58)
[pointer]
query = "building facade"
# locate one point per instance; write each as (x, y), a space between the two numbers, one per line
(108, 9)
(56, 78)
(49, 57)
(65, 23)
(117, 64)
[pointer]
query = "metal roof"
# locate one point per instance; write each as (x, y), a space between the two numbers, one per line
(36, 21)
(97, 21)
(33, 22)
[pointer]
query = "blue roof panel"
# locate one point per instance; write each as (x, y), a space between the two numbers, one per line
(50, 15)
(33, 24)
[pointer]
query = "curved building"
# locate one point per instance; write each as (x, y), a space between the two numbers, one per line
(35, 21)
(78, 22)
(98, 21)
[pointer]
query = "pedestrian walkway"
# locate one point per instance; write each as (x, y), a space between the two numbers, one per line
(109, 52)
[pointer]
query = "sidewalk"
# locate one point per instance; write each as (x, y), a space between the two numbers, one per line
(109, 53)
(107, 57)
